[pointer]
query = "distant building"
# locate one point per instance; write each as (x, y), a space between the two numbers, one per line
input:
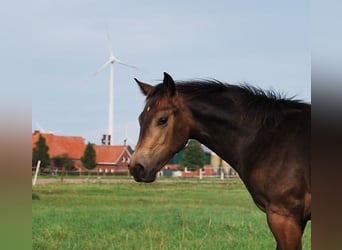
(109, 159)
(220, 165)
(58, 145)
(113, 159)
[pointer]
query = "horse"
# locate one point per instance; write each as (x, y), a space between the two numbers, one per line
(264, 136)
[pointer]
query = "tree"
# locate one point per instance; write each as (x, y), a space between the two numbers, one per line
(89, 157)
(64, 162)
(194, 156)
(41, 152)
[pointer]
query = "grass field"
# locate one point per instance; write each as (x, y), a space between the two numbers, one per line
(168, 214)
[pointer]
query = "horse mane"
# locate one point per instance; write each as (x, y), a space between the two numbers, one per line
(266, 107)
(269, 107)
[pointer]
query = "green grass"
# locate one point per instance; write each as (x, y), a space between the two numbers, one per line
(179, 214)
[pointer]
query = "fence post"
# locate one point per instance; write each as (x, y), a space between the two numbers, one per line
(36, 174)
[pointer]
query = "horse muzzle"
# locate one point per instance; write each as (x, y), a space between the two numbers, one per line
(141, 174)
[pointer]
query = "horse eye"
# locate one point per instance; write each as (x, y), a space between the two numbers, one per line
(162, 120)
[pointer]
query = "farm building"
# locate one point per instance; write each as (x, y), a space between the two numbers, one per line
(115, 159)
(109, 159)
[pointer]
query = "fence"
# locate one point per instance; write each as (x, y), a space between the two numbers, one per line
(58, 172)
(99, 172)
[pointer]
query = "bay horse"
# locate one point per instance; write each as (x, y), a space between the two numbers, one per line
(263, 136)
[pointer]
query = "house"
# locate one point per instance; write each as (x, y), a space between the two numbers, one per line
(58, 145)
(113, 159)
(109, 159)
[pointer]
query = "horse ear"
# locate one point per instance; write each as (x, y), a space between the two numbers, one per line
(169, 84)
(144, 87)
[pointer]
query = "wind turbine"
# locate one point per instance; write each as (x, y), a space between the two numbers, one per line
(109, 139)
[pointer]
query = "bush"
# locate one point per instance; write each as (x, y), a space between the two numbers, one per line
(35, 196)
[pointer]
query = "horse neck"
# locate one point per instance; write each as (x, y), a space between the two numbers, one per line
(217, 123)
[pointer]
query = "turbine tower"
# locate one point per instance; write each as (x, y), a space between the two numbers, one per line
(109, 139)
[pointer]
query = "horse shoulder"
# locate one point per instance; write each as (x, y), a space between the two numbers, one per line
(276, 168)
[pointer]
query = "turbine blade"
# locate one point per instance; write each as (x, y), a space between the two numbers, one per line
(110, 45)
(102, 67)
(126, 64)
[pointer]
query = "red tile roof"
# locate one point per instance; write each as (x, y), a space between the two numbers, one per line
(110, 154)
(72, 145)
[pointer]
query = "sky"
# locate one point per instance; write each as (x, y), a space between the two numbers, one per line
(263, 43)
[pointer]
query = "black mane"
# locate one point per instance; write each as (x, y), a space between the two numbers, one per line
(205, 87)
(262, 106)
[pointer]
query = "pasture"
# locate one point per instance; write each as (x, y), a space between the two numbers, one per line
(168, 214)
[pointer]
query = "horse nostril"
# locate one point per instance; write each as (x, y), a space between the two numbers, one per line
(138, 170)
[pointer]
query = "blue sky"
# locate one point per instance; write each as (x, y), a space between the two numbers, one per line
(264, 43)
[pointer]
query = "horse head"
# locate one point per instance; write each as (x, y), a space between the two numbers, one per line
(164, 129)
